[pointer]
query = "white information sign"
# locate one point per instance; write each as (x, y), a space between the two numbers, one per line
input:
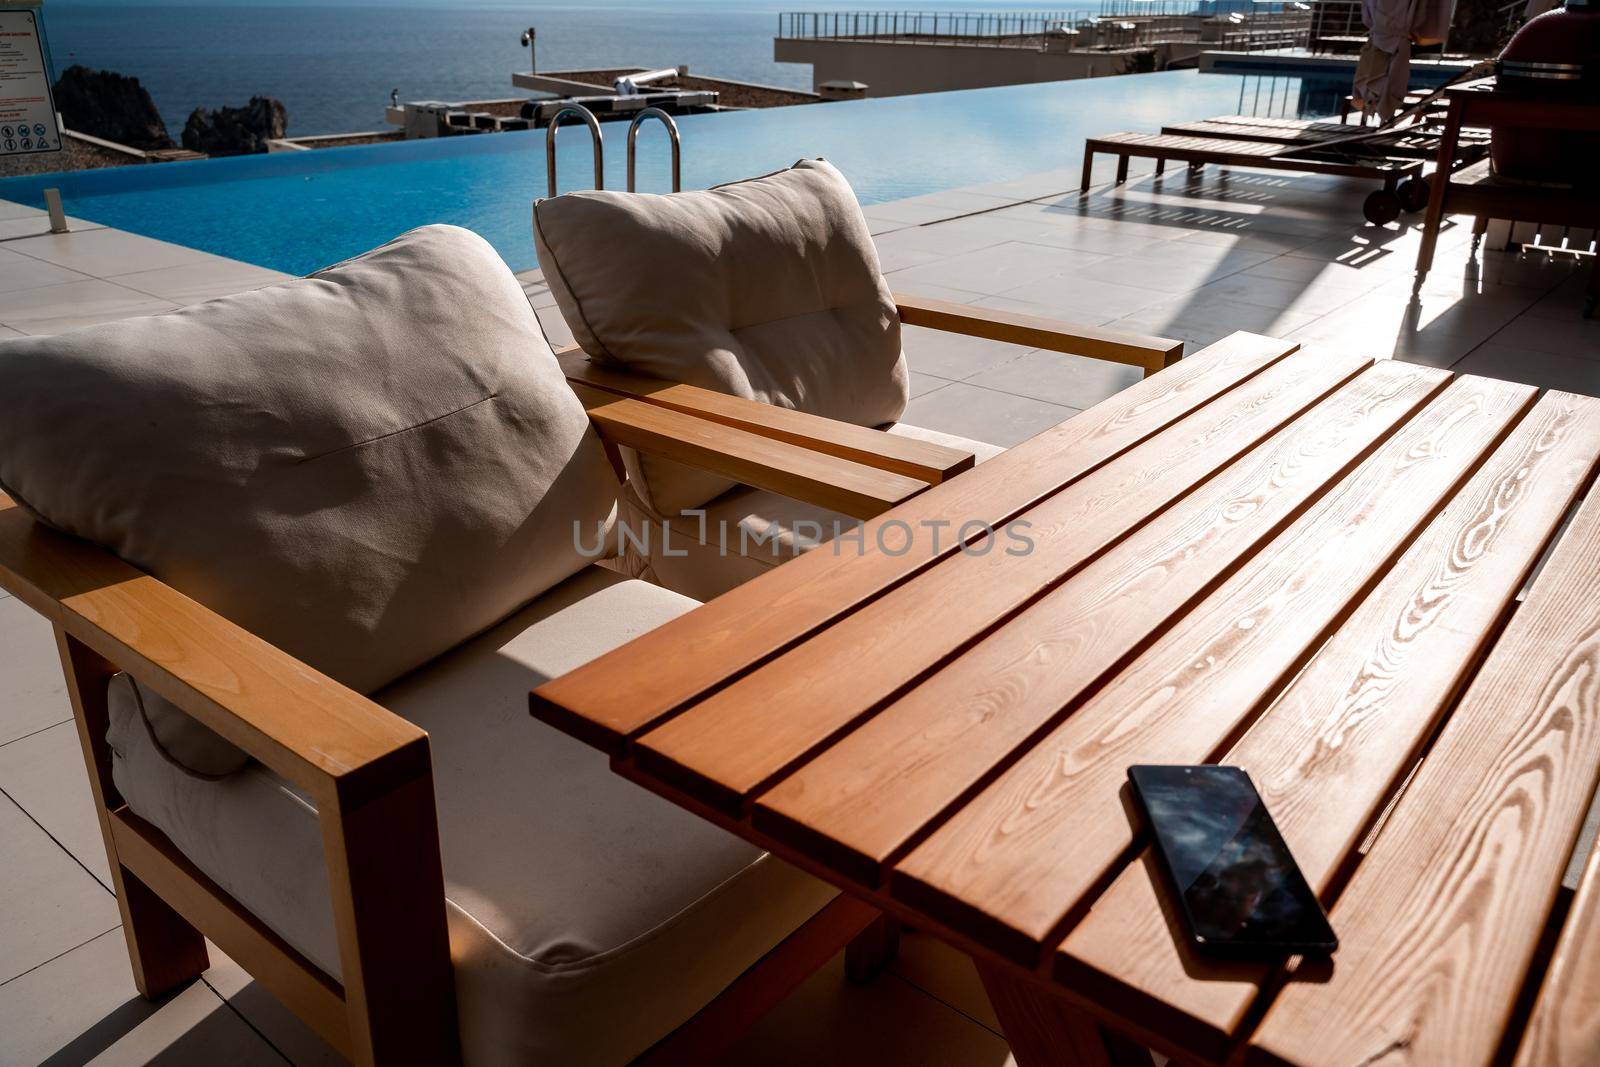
(27, 112)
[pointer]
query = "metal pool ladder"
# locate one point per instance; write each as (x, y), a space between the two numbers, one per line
(672, 132)
(599, 145)
(594, 132)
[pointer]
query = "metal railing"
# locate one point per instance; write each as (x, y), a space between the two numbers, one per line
(594, 132)
(1117, 24)
(999, 28)
(672, 136)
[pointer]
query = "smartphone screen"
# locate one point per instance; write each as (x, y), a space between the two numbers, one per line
(1235, 882)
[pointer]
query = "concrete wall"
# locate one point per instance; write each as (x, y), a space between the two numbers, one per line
(895, 68)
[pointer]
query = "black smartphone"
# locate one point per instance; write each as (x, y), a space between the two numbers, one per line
(1238, 888)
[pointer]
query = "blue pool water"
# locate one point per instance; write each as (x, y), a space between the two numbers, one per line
(299, 211)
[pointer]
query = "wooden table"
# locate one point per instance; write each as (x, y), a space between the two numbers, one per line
(1310, 566)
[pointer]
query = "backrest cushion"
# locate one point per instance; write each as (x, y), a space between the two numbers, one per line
(364, 467)
(768, 289)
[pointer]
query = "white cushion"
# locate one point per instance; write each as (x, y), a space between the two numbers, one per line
(767, 289)
(364, 467)
(588, 918)
(745, 531)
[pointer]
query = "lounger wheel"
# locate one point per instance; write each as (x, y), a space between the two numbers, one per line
(1413, 193)
(1381, 208)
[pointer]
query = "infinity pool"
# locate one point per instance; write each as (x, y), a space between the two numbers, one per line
(299, 211)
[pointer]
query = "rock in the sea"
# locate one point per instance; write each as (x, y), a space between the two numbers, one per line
(103, 103)
(232, 131)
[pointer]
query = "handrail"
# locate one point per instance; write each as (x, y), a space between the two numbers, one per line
(672, 133)
(594, 131)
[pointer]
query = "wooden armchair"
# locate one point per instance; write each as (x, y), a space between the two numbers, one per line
(370, 772)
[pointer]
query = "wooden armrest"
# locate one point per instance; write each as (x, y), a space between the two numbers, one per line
(922, 460)
(334, 743)
(794, 471)
(1096, 342)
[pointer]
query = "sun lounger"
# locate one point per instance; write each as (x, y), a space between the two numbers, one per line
(1349, 160)
(1418, 141)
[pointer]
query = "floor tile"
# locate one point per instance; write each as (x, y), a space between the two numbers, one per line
(926, 383)
(1060, 378)
(48, 903)
(1079, 297)
(1514, 363)
(1565, 336)
(19, 273)
(953, 356)
(998, 268)
(45, 774)
(946, 974)
(985, 414)
(1566, 301)
(1309, 297)
(32, 693)
(106, 253)
(193, 283)
(73, 305)
(83, 1008)
(556, 330)
(1202, 319)
(38, 225)
(829, 1021)
(266, 1013)
(10, 209)
(1177, 267)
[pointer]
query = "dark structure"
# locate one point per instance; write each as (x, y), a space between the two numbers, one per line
(233, 131)
(112, 106)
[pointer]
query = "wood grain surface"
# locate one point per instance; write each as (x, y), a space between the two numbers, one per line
(923, 460)
(791, 470)
(1564, 1030)
(1096, 342)
(858, 803)
(738, 740)
(1011, 866)
(614, 697)
(1329, 753)
(1440, 921)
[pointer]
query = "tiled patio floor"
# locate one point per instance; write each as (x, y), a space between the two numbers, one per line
(1188, 259)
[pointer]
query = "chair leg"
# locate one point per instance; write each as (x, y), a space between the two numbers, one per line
(871, 951)
(164, 950)
(1122, 169)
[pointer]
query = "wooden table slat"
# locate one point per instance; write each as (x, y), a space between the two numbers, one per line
(618, 695)
(861, 801)
(1440, 921)
(1351, 725)
(1013, 865)
(737, 741)
(1564, 1030)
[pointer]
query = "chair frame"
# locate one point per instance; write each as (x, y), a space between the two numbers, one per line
(369, 771)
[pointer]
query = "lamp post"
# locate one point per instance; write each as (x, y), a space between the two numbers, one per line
(528, 36)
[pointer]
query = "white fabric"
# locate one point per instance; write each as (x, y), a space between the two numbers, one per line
(587, 917)
(743, 532)
(767, 289)
(364, 467)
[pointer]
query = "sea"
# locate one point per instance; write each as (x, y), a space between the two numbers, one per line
(335, 65)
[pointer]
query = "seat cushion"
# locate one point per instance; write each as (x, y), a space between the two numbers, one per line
(588, 918)
(745, 531)
(767, 289)
(364, 467)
